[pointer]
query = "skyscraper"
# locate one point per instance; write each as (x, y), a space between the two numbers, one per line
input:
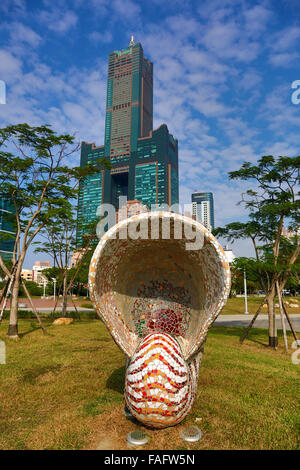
(144, 161)
(203, 209)
(7, 233)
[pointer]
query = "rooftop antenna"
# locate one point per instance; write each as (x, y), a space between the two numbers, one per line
(131, 41)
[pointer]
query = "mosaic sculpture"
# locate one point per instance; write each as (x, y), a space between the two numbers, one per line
(158, 297)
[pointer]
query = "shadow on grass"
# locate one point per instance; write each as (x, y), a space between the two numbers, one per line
(110, 397)
(31, 375)
(220, 330)
(34, 328)
(117, 380)
(255, 335)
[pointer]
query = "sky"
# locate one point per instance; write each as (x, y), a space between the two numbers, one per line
(223, 74)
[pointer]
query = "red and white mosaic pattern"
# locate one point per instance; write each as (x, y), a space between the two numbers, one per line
(159, 385)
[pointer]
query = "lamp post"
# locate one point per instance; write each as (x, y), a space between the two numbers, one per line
(44, 289)
(245, 291)
(54, 287)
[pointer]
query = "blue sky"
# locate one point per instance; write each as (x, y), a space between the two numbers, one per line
(223, 71)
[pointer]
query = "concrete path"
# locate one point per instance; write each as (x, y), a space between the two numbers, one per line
(260, 322)
(58, 309)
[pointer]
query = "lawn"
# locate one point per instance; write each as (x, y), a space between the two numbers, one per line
(65, 391)
(236, 305)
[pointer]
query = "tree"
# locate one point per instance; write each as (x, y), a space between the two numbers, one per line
(59, 242)
(36, 178)
(237, 269)
(80, 272)
(273, 203)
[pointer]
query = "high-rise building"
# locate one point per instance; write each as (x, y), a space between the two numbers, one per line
(203, 209)
(144, 161)
(7, 233)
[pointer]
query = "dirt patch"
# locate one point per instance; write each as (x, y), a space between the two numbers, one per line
(112, 427)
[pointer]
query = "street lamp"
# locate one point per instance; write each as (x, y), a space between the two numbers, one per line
(44, 296)
(54, 287)
(245, 291)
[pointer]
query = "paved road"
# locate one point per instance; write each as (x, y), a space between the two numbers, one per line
(260, 322)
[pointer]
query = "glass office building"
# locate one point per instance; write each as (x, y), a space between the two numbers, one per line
(7, 233)
(203, 209)
(144, 161)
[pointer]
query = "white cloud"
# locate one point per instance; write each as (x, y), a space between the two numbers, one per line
(65, 100)
(97, 37)
(19, 33)
(286, 39)
(15, 6)
(127, 9)
(257, 19)
(10, 67)
(57, 20)
(284, 59)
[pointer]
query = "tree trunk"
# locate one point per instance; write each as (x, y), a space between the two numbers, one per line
(65, 295)
(282, 316)
(273, 340)
(13, 318)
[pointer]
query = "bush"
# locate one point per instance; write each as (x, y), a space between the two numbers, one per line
(21, 314)
(32, 287)
(24, 314)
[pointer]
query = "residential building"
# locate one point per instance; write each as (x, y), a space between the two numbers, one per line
(203, 209)
(37, 271)
(230, 256)
(26, 274)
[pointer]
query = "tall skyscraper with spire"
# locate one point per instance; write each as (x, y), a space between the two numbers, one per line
(144, 161)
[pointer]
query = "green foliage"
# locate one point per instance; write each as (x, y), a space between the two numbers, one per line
(36, 177)
(42, 188)
(33, 289)
(237, 275)
(274, 200)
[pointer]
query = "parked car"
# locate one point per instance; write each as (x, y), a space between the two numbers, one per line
(286, 292)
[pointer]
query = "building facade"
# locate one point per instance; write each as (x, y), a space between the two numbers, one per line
(7, 233)
(230, 256)
(144, 161)
(26, 274)
(203, 209)
(37, 272)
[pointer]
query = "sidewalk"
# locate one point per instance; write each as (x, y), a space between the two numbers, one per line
(260, 322)
(47, 304)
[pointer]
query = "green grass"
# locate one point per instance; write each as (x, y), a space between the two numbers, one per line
(86, 305)
(65, 391)
(236, 305)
